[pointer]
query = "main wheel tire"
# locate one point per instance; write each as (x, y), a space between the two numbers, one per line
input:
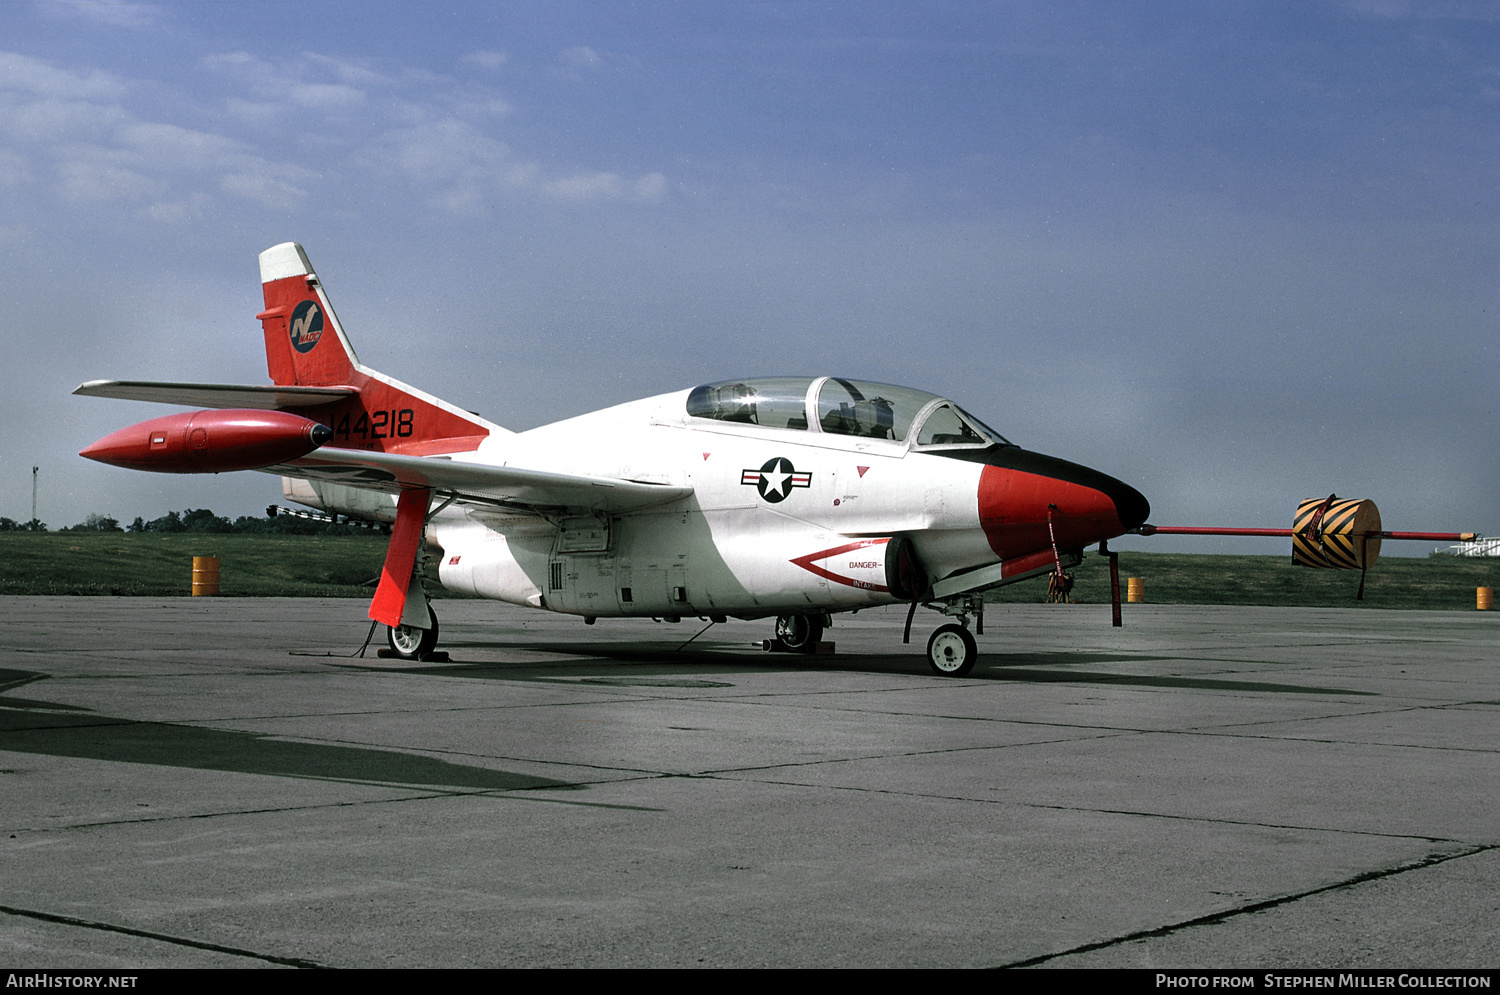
(799, 633)
(952, 651)
(410, 643)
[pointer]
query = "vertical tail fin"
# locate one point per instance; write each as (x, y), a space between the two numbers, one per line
(306, 346)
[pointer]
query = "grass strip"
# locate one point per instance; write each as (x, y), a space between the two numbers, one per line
(161, 565)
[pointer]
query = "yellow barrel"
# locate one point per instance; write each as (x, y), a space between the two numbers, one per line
(205, 576)
(1485, 596)
(1135, 590)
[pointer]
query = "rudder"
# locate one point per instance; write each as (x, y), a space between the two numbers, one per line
(305, 344)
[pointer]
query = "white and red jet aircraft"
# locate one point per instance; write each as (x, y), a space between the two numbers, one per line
(792, 497)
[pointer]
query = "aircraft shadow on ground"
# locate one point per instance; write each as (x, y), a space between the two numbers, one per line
(39, 727)
(657, 664)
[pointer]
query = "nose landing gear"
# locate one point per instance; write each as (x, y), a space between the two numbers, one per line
(952, 651)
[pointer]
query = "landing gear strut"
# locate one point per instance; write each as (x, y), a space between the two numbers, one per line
(799, 633)
(411, 643)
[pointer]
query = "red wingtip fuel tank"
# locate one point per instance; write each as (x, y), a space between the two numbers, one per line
(1019, 491)
(211, 441)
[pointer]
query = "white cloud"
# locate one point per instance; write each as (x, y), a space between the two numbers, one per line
(464, 167)
(81, 128)
(443, 150)
(22, 72)
(77, 131)
(651, 188)
(593, 186)
(580, 57)
(1458, 10)
(170, 146)
(108, 13)
(92, 176)
(257, 112)
(47, 122)
(485, 60)
(228, 60)
(178, 212)
(314, 82)
(268, 190)
(349, 72)
(326, 96)
(15, 169)
(489, 107)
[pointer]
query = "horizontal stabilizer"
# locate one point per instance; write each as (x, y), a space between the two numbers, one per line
(505, 486)
(216, 395)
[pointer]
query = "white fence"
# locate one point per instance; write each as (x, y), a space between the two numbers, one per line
(1479, 547)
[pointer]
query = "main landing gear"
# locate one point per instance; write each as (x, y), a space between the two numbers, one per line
(411, 643)
(799, 633)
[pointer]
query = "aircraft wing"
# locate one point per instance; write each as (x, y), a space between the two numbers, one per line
(497, 486)
(215, 395)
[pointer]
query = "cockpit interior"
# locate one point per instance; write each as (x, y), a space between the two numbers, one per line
(836, 406)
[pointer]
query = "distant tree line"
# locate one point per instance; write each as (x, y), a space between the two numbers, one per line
(202, 520)
(11, 525)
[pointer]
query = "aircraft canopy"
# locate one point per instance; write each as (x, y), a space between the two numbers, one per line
(842, 407)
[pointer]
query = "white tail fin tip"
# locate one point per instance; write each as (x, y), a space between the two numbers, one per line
(284, 260)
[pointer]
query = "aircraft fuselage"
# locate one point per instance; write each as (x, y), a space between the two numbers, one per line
(778, 520)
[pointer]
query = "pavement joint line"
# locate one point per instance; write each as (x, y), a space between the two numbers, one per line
(644, 774)
(180, 941)
(1331, 742)
(103, 723)
(639, 772)
(746, 698)
(1393, 710)
(433, 710)
(225, 813)
(1143, 730)
(427, 793)
(1256, 825)
(899, 756)
(1113, 732)
(1112, 811)
(1011, 720)
(1431, 860)
(418, 794)
(650, 774)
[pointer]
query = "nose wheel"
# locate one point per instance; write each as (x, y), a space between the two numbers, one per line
(952, 651)
(411, 643)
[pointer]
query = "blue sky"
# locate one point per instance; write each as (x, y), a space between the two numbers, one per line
(1234, 254)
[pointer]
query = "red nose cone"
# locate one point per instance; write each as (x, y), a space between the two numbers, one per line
(210, 441)
(1015, 507)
